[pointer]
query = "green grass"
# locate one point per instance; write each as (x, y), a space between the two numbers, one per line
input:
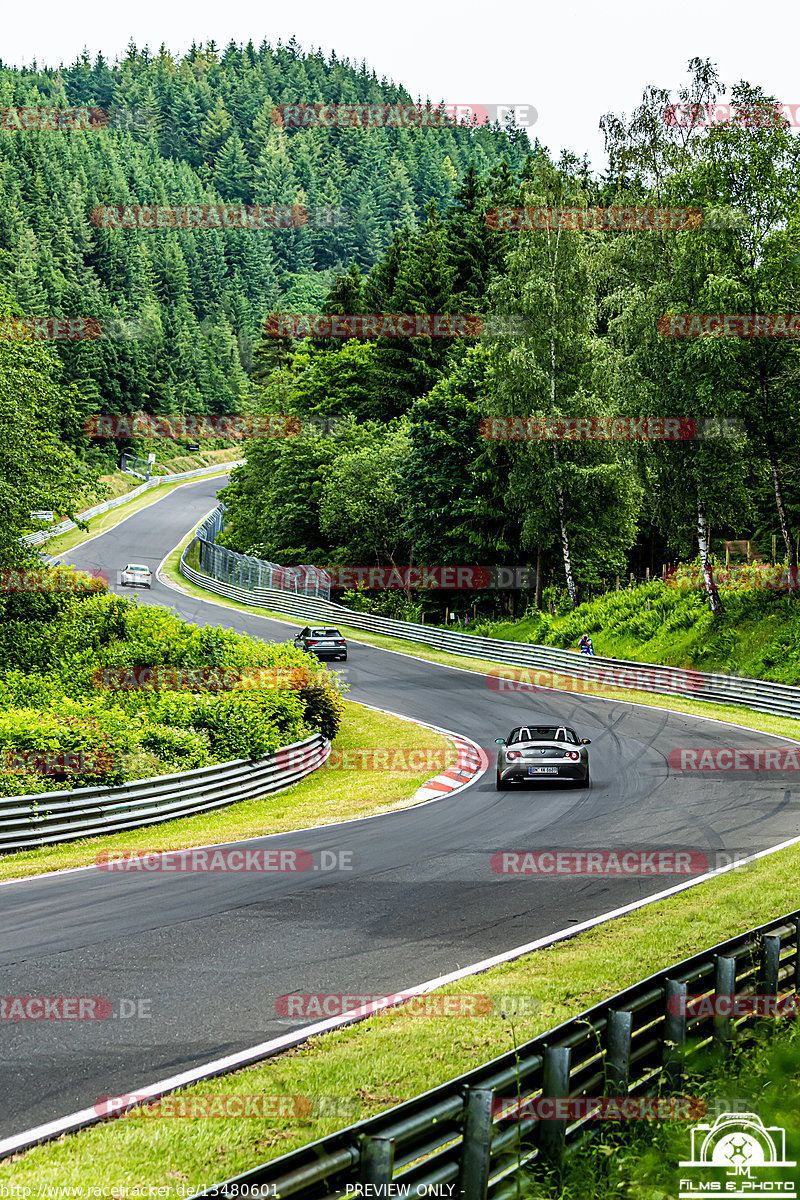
(758, 634)
(394, 1056)
(326, 796)
(640, 1159)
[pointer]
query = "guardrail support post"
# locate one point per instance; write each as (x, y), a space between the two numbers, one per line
(674, 1032)
(770, 962)
(377, 1161)
(618, 1050)
(724, 988)
(555, 1085)
(473, 1179)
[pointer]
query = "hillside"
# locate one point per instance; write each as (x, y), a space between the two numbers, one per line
(185, 307)
(758, 634)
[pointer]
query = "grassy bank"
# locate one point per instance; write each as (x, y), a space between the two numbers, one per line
(328, 795)
(757, 635)
(640, 1159)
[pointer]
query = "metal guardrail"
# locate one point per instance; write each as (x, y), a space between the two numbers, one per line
(594, 675)
(252, 575)
(633, 1045)
(52, 817)
(44, 535)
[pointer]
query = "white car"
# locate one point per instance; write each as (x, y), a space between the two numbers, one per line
(135, 575)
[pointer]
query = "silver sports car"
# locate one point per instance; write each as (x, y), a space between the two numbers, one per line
(532, 752)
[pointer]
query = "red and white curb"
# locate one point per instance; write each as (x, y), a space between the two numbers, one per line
(471, 760)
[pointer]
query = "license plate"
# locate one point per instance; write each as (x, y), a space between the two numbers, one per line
(543, 770)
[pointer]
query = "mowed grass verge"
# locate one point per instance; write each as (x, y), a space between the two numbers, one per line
(333, 793)
(390, 1057)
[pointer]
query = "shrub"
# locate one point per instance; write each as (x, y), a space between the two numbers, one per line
(50, 701)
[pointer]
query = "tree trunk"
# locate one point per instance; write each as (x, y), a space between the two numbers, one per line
(539, 580)
(562, 526)
(786, 533)
(714, 601)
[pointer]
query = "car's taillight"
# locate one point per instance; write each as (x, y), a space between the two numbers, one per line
(340, 642)
(573, 754)
(513, 754)
(312, 643)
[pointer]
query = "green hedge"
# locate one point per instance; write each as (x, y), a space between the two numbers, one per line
(70, 717)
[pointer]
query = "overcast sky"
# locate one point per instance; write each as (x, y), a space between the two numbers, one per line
(572, 61)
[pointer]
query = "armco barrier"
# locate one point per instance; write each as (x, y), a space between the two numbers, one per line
(44, 535)
(633, 1045)
(253, 574)
(30, 821)
(720, 689)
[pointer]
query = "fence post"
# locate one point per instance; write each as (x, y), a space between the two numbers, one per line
(473, 1178)
(770, 962)
(724, 986)
(674, 1031)
(555, 1085)
(377, 1162)
(618, 1050)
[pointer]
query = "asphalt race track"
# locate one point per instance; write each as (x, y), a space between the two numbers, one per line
(210, 953)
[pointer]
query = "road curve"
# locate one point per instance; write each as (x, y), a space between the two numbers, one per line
(209, 954)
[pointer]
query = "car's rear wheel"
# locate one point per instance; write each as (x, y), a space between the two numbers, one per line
(500, 784)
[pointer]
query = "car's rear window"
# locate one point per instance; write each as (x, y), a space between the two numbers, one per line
(545, 733)
(132, 567)
(325, 633)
